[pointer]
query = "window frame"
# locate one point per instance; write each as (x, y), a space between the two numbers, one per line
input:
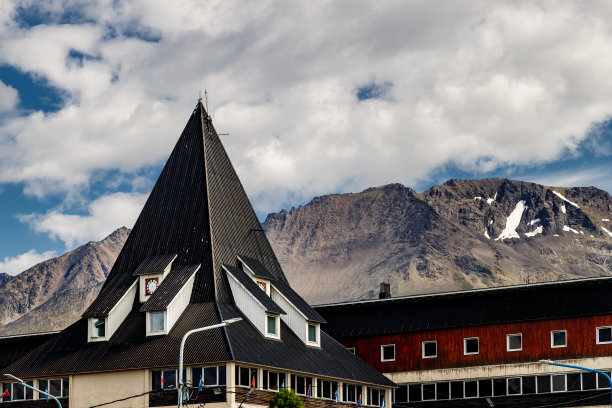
(382, 352)
(423, 343)
(196, 381)
(552, 382)
(276, 318)
(150, 322)
(465, 352)
(520, 378)
(45, 381)
(508, 349)
(597, 334)
(552, 338)
(317, 327)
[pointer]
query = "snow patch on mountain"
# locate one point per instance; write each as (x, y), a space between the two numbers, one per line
(512, 222)
(568, 229)
(609, 233)
(565, 199)
(490, 200)
(535, 232)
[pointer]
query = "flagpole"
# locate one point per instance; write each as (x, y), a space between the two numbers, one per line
(12, 377)
(181, 383)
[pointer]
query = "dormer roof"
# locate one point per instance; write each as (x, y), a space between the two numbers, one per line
(169, 288)
(256, 267)
(109, 296)
(154, 264)
(250, 286)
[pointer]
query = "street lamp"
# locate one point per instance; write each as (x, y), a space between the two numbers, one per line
(181, 384)
(582, 368)
(12, 377)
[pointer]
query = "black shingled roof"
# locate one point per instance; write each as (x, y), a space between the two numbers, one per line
(154, 264)
(169, 288)
(256, 267)
(109, 296)
(12, 348)
(580, 297)
(254, 290)
(298, 302)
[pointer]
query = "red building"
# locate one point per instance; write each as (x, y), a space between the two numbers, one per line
(482, 347)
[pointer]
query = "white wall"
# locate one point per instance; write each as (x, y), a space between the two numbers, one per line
(248, 305)
(294, 318)
(179, 303)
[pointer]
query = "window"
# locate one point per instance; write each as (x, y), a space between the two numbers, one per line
(162, 379)
(387, 352)
(400, 394)
(326, 389)
(156, 321)
(312, 333)
(429, 392)
(376, 396)
(558, 338)
(470, 345)
(573, 382)
(414, 392)
(57, 387)
(485, 388)
(443, 390)
(430, 349)
(246, 376)
(456, 388)
(602, 382)
(589, 381)
(604, 335)
(529, 385)
(514, 342)
(209, 376)
(558, 383)
(301, 384)
(470, 389)
(99, 328)
(272, 326)
(350, 393)
(499, 387)
(351, 349)
(273, 380)
(514, 386)
(543, 382)
(18, 392)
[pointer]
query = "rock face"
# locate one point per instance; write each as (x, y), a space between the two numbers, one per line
(460, 235)
(54, 293)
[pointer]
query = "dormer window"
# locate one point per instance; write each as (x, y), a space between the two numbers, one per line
(272, 326)
(99, 328)
(313, 334)
(262, 285)
(157, 322)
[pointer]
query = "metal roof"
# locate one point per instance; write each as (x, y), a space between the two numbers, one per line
(154, 264)
(169, 288)
(109, 296)
(256, 267)
(298, 302)
(254, 290)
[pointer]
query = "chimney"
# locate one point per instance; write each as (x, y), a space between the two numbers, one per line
(385, 290)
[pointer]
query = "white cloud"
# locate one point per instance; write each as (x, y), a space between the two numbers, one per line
(8, 97)
(16, 265)
(479, 84)
(105, 214)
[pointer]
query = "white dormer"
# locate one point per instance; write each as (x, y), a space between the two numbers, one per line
(307, 330)
(151, 272)
(102, 328)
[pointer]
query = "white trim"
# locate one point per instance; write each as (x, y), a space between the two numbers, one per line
(552, 338)
(382, 352)
(423, 348)
(317, 326)
(244, 287)
(276, 318)
(92, 329)
(552, 383)
(520, 386)
(435, 396)
(508, 342)
(157, 332)
(477, 388)
(597, 334)
(287, 300)
(465, 352)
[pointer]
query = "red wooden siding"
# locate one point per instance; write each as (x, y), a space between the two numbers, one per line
(581, 342)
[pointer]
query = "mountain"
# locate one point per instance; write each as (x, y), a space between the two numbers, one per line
(54, 293)
(460, 235)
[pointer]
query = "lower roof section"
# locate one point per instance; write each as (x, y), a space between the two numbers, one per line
(12, 348)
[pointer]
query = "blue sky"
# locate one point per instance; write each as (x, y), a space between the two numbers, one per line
(316, 98)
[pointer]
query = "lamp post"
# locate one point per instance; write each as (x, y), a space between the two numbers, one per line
(181, 384)
(582, 368)
(12, 377)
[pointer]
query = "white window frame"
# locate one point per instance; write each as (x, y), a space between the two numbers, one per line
(382, 352)
(465, 352)
(552, 382)
(150, 332)
(477, 389)
(317, 326)
(508, 342)
(552, 338)
(423, 348)
(93, 334)
(597, 334)
(423, 391)
(520, 386)
(276, 318)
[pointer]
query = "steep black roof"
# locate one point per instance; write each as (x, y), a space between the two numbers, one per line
(254, 290)
(154, 264)
(256, 267)
(169, 288)
(109, 296)
(580, 297)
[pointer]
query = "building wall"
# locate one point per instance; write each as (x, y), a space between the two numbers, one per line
(92, 389)
(581, 342)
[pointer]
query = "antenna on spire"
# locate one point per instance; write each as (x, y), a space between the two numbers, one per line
(200, 95)
(206, 97)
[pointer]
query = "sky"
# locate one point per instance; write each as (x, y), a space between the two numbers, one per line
(313, 98)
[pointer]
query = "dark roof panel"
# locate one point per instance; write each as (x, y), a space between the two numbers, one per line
(332, 359)
(256, 267)
(298, 302)
(12, 348)
(169, 288)
(469, 308)
(254, 290)
(109, 296)
(154, 264)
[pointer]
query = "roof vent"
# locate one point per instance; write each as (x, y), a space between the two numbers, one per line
(385, 290)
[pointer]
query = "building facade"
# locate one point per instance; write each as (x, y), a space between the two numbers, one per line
(483, 347)
(196, 257)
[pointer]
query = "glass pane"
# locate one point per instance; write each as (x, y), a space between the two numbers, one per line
(456, 389)
(157, 321)
(558, 382)
(29, 393)
(429, 392)
(18, 392)
(485, 388)
(529, 385)
(42, 385)
(589, 381)
(388, 352)
(401, 394)
(210, 375)
(312, 333)
(573, 382)
(374, 397)
(471, 346)
(429, 349)
(196, 375)
(558, 338)
(602, 382)
(350, 393)
(443, 390)
(271, 325)
(514, 342)
(65, 387)
(604, 334)
(543, 383)
(55, 387)
(244, 377)
(99, 327)
(222, 375)
(471, 389)
(169, 378)
(253, 377)
(414, 392)
(7, 387)
(301, 385)
(499, 386)
(514, 386)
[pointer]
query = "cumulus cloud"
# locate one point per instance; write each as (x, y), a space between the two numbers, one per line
(104, 215)
(317, 97)
(16, 265)
(8, 97)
